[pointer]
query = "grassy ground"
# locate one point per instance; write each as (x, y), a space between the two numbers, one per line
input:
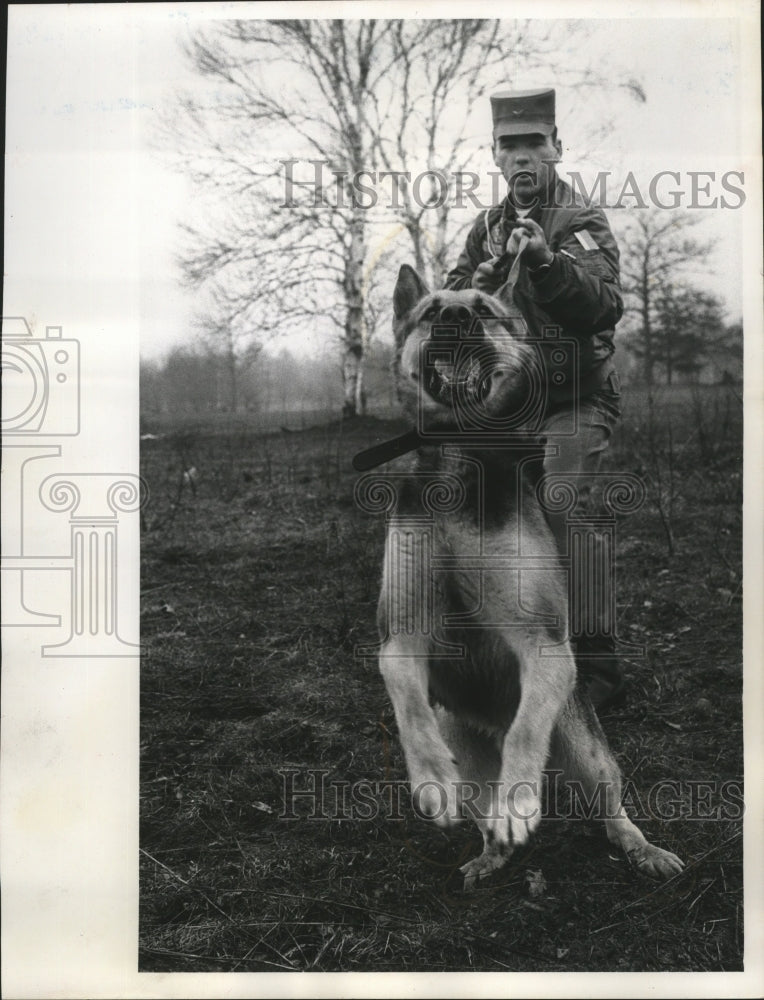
(260, 578)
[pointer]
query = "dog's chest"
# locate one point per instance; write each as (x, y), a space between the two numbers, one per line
(481, 684)
(457, 583)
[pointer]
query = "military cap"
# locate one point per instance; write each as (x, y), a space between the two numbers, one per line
(520, 112)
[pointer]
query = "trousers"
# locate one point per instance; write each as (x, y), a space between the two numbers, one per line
(576, 436)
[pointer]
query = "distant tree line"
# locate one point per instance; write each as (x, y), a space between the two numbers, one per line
(195, 381)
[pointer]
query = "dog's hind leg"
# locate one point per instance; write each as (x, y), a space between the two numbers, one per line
(580, 751)
(479, 760)
(432, 771)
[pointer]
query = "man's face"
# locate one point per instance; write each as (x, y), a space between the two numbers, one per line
(527, 163)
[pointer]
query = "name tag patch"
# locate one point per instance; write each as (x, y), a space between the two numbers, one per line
(586, 240)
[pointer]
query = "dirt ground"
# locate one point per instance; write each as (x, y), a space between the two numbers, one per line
(260, 578)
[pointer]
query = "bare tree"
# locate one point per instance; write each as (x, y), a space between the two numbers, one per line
(689, 326)
(657, 250)
(288, 254)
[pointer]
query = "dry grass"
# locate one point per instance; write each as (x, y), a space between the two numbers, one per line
(258, 582)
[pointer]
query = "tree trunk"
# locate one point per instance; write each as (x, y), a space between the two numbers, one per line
(360, 395)
(415, 233)
(647, 333)
(351, 378)
(440, 249)
(233, 375)
(353, 340)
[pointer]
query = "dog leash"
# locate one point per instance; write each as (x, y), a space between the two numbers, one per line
(500, 259)
(387, 451)
(488, 237)
(507, 289)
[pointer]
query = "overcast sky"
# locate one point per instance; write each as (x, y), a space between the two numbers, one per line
(92, 214)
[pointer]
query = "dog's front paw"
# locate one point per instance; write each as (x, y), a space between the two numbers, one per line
(481, 868)
(655, 862)
(515, 815)
(435, 793)
(524, 812)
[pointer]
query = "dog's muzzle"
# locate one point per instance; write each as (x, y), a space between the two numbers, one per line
(457, 359)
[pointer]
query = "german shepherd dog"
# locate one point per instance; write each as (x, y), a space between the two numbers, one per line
(474, 654)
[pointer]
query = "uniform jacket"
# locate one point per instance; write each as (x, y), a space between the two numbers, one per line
(577, 299)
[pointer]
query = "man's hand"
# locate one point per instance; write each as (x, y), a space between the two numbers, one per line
(487, 277)
(536, 251)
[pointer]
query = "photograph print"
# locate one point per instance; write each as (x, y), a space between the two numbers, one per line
(430, 334)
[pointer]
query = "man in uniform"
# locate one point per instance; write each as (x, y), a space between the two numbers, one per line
(568, 280)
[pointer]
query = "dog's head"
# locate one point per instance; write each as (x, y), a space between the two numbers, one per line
(464, 364)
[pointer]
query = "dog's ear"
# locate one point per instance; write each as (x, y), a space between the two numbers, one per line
(409, 289)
